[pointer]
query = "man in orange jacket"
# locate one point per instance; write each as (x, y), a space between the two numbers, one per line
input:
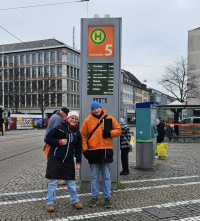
(98, 149)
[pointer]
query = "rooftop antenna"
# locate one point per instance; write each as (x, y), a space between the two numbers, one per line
(73, 37)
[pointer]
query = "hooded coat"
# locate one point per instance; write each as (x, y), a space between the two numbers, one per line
(60, 164)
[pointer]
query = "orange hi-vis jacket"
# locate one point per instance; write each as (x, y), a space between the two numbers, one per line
(97, 141)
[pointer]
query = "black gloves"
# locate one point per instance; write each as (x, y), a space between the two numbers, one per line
(86, 154)
(106, 134)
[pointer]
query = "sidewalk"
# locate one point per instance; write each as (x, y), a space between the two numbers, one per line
(172, 184)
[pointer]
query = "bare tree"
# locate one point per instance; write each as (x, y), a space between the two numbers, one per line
(46, 89)
(179, 79)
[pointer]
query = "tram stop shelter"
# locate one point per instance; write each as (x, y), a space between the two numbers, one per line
(176, 108)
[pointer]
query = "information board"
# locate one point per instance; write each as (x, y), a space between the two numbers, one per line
(100, 79)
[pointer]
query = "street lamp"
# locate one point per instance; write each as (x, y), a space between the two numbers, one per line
(3, 74)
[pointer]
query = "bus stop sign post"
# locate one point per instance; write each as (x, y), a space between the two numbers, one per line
(100, 78)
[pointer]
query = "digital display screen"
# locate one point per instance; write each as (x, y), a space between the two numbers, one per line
(100, 79)
(154, 130)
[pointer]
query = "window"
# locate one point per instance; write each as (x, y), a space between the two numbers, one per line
(40, 71)
(28, 58)
(59, 99)
(53, 70)
(78, 101)
(53, 99)
(28, 100)
(46, 56)
(59, 69)
(40, 57)
(59, 84)
(72, 72)
(68, 57)
(72, 57)
(46, 84)
(28, 72)
(5, 61)
(5, 74)
(34, 85)
(22, 86)
(59, 55)
(53, 84)
(34, 72)
(28, 86)
(78, 60)
(78, 73)
(22, 73)
(10, 87)
(40, 85)
(22, 58)
(68, 71)
(1, 61)
(22, 100)
(46, 99)
(52, 56)
(46, 70)
(75, 59)
(11, 74)
(11, 60)
(34, 98)
(34, 57)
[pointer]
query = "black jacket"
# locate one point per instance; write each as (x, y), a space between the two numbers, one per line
(66, 152)
(161, 132)
(60, 164)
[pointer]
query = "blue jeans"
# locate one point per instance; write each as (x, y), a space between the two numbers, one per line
(106, 181)
(71, 186)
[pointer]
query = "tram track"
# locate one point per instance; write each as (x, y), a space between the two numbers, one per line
(18, 138)
(20, 153)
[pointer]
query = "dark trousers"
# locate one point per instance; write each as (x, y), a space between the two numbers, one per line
(124, 159)
(1, 129)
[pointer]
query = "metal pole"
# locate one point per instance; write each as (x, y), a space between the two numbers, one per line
(3, 73)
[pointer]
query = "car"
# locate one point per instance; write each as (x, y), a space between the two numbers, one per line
(191, 124)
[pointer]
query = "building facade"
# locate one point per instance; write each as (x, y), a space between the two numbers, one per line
(132, 92)
(194, 59)
(39, 75)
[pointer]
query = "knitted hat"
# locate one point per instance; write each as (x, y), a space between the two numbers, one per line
(95, 104)
(65, 110)
(73, 113)
(121, 120)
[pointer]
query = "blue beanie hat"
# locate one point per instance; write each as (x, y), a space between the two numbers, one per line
(95, 104)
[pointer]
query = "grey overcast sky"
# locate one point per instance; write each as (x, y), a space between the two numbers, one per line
(154, 32)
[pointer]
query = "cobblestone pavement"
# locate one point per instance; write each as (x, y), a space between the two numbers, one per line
(173, 185)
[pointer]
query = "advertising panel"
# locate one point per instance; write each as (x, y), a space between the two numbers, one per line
(37, 122)
(24, 123)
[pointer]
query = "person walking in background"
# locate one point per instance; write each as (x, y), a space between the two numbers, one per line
(98, 149)
(124, 146)
(54, 120)
(1, 125)
(161, 130)
(60, 164)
